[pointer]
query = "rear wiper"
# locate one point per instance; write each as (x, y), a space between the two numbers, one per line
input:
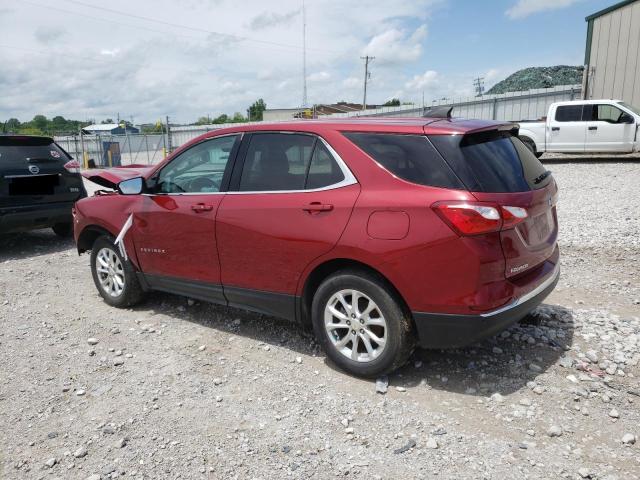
(541, 177)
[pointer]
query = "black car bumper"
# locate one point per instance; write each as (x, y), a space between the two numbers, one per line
(31, 217)
(437, 330)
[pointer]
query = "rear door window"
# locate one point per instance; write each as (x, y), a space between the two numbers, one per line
(409, 157)
(276, 162)
(323, 170)
(569, 113)
(492, 162)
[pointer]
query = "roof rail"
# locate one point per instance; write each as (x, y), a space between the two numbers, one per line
(437, 112)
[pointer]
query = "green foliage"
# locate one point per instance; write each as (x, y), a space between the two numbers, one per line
(256, 110)
(538, 77)
(394, 102)
(41, 125)
(158, 127)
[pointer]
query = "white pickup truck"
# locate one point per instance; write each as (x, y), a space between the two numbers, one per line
(585, 126)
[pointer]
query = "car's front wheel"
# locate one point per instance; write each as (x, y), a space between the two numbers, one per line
(115, 277)
(361, 324)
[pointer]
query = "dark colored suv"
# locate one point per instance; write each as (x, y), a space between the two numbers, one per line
(39, 183)
(380, 233)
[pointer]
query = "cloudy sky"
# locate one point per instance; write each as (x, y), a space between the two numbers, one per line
(189, 58)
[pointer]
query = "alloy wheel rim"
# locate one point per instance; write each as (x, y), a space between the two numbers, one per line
(355, 325)
(110, 272)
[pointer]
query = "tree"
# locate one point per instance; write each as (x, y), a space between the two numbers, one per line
(203, 121)
(238, 118)
(224, 118)
(12, 125)
(40, 122)
(256, 110)
(108, 120)
(394, 102)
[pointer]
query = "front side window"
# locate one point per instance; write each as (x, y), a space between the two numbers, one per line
(608, 113)
(569, 113)
(199, 169)
(276, 161)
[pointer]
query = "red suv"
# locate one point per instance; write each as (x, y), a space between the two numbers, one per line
(379, 233)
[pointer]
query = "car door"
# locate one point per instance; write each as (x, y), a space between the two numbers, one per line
(567, 130)
(174, 230)
(609, 129)
(292, 200)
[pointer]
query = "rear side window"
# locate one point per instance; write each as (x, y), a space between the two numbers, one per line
(492, 162)
(35, 149)
(410, 157)
(569, 113)
(276, 161)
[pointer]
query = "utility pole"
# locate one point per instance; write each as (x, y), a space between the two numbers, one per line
(305, 100)
(478, 83)
(367, 76)
(169, 146)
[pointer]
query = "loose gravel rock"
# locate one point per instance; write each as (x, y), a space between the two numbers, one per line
(245, 407)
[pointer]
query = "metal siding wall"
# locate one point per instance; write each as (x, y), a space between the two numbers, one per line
(615, 55)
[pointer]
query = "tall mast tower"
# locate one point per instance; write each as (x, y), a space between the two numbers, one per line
(305, 102)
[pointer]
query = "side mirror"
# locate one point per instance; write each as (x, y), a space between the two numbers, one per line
(132, 186)
(626, 118)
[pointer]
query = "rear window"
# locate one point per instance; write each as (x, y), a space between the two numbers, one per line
(410, 157)
(569, 113)
(492, 162)
(30, 148)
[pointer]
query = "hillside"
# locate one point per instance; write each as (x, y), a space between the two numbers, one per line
(538, 77)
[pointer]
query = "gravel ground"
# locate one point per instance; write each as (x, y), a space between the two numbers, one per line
(182, 389)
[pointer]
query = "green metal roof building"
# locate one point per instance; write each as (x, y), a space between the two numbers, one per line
(612, 56)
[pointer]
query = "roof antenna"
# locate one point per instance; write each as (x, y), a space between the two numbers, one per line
(437, 112)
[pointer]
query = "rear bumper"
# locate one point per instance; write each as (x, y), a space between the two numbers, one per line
(31, 217)
(437, 330)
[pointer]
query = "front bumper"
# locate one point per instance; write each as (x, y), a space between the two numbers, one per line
(31, 217)
(438, 330)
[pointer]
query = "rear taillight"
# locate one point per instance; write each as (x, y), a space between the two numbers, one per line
(474, 218)
(72, 166)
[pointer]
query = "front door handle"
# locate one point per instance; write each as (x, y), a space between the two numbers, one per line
(318, 207)
(201, 207)
(555, 129)
(593, 128)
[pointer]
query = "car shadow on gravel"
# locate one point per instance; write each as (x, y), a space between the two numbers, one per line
(15, 246)
(504, 364)
(263, 329)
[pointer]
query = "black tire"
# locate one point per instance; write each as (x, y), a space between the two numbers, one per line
(132, 292)
(531, 145)
(63, 230)
(400, 339)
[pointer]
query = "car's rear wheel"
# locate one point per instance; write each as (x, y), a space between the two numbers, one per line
(361, 324)
(63, 230)
(115, 277)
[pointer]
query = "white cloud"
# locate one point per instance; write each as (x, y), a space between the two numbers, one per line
(394, 46)
(117, 64)
(428, 80)
(524, 8)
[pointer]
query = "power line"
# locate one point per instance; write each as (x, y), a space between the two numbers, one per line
(367, 76)
(187, 27)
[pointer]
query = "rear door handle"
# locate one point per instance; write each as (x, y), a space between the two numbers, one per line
(318, 207)
(201, 207)
(555, 129)
(593, 128)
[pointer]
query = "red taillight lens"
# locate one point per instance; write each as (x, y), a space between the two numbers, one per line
(72, 166)
(470, 218)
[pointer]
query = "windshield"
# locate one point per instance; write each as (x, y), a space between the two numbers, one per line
(635, 110)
